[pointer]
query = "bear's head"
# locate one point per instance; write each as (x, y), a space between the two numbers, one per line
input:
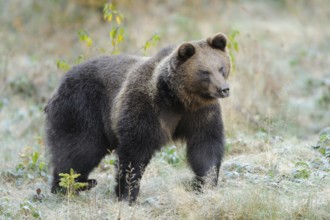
(200, 69)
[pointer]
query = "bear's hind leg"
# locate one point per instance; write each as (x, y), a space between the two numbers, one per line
(84, 155)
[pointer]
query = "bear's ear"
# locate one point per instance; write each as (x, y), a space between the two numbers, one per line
(186, 50)
(218, 41)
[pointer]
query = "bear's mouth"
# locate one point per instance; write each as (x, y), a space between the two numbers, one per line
(218, 95)
(214, 96)
(208, 96)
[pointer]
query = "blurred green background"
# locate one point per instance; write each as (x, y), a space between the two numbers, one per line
(281, 83)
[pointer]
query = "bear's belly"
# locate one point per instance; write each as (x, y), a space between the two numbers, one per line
(168, 123)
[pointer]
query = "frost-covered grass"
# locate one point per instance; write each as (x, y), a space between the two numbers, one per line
(261, 185)
(276, 164)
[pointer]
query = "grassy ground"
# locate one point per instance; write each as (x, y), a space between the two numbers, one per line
(276, 165)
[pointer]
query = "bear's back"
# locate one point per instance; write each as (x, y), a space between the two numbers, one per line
(105, 74)
(111, 70)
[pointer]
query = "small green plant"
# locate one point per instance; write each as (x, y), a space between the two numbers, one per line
(110, 160)
(324, 137)
(323, 144)
(68, 181)
(116, 34)
(115, 17)
(301, 174)
(325, 151)
(30, 209)
(233, 46)
(302, 170)
(62, 65)
(153, 41)
(32, 165)
(110, 11)
(84, 37)
(169, 154)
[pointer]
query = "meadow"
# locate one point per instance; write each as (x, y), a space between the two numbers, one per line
(277, 119)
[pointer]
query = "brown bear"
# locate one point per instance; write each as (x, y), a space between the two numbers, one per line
(136, 105)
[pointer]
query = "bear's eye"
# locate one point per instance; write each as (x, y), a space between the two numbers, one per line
(205, 73)
(222, 72)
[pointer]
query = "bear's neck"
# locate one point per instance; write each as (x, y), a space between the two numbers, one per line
(166, 96)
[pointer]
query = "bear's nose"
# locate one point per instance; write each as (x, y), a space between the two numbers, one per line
(224, 91)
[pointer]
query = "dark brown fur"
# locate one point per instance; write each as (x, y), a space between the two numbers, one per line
(136, 105)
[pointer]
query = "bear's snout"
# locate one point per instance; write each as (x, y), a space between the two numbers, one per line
(224, 92)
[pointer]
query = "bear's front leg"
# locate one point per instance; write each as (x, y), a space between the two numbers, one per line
(139, 137)
(130, 169)
(204, 156)
(203, 130)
